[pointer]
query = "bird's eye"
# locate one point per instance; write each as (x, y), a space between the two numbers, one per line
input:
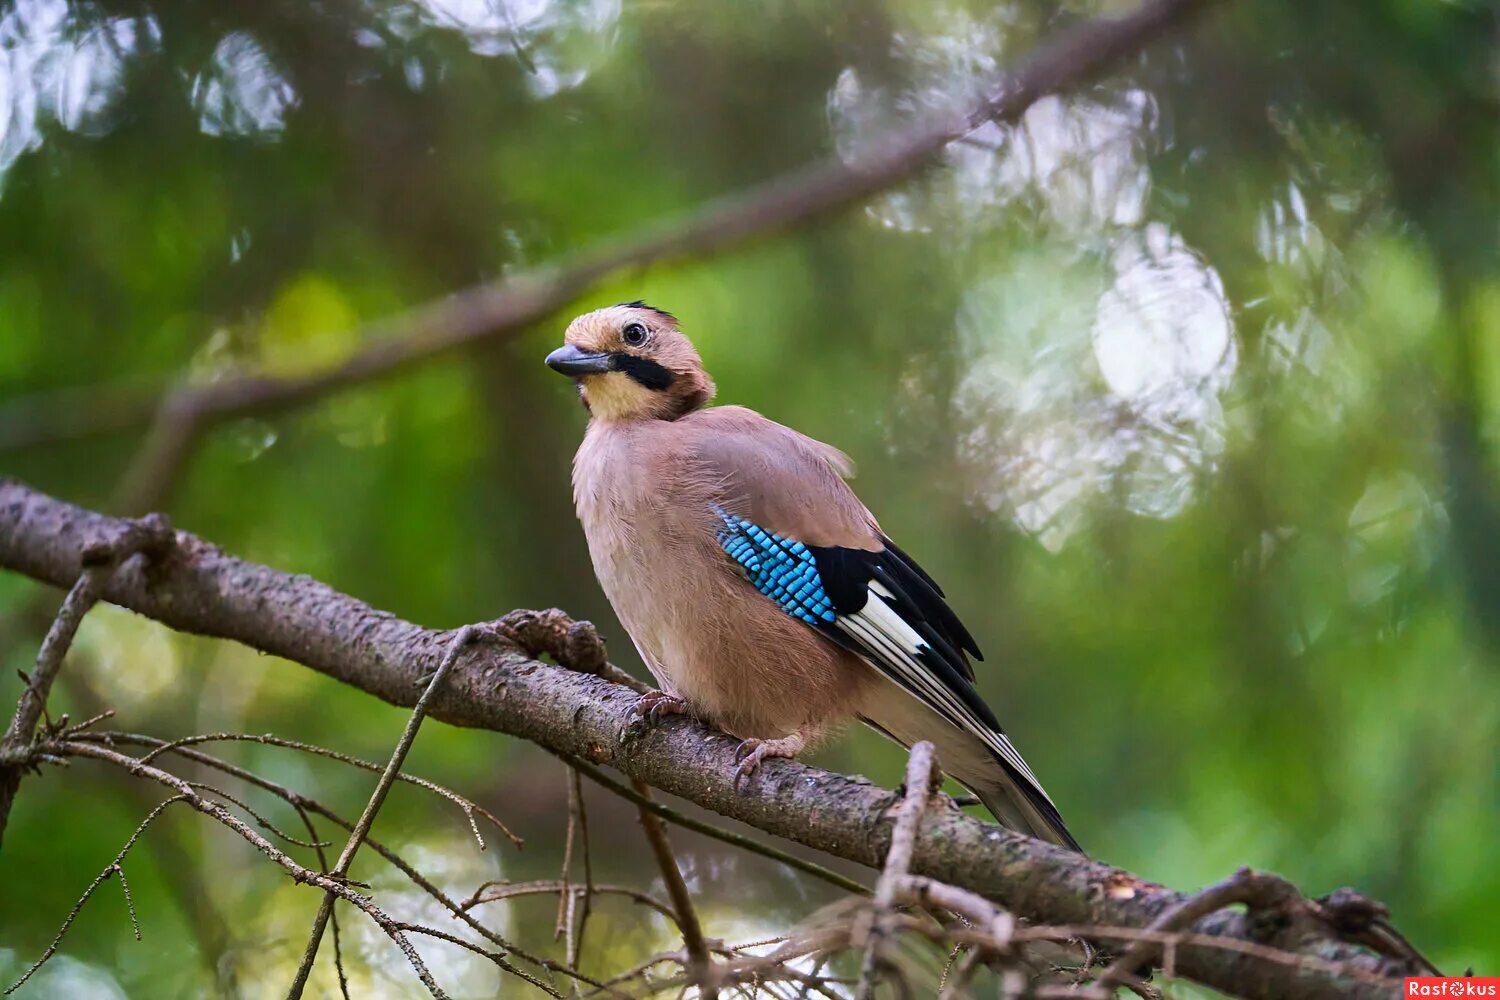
(634, 334)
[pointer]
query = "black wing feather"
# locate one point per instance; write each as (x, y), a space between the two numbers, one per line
(930, 598)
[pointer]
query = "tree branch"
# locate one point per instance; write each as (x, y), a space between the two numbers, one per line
(488, 311)
(198, 588)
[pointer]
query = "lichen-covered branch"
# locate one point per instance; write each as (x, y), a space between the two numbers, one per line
(198, 588)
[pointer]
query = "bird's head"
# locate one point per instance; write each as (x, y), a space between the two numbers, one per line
(632, 363)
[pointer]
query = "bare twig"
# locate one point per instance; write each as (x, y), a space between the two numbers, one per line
(492, 892)
(299, 873)
(318, 845)
(168, 845)
(265, 824)
(377, 798)
(470, 809)
(1356, 917)
(574, 644)
(700, 965)
(304, 805)
(1244, 886)
(152, 535)
(575, 796)
(709, 830)
(997, 923)
(572, 918)
(922, 778)
(113, 868)
(1380, 983)
(564, 922)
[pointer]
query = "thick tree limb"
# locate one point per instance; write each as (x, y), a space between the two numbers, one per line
(1075, 57)
(198, 588)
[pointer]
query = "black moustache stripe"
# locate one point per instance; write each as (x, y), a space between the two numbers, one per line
(643, 370)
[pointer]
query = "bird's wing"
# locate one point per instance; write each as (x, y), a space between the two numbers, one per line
(803, 539)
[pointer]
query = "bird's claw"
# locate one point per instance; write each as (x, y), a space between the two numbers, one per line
(747, 759)
(749, 754)
(649, 710)
(653, 706)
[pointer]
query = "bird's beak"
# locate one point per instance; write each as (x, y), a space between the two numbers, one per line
(574, 363)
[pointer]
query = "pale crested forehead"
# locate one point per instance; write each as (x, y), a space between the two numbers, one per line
(611, 319)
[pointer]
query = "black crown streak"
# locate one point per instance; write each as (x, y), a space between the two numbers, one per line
(641, 304)
(642, 370)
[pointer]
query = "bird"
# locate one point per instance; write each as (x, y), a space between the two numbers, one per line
(759, 590)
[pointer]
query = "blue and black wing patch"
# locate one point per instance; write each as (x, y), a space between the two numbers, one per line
(786, 571)
(883, 607)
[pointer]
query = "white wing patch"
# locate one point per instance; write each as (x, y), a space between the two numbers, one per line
(894, 648)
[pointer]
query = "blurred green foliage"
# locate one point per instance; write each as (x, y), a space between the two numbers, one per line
(1187, 389)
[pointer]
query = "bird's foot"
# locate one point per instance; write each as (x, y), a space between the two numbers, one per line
(653, 706)
(648, 711)
(751, 752)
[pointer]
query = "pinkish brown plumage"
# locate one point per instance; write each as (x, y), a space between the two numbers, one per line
(759, 590)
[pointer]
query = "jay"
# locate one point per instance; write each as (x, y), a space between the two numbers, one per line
(759, 590)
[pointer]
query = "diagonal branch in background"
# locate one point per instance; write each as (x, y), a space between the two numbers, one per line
(200, 589)
(1071, 59)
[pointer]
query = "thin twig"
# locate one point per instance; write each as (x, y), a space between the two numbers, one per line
(265, 824)
(318, 846)
(300, 874)
(1244, 886)
(575, 799)
(998, 923)
(470, 809)
(1181, 939)
(709, 830)
(564, 920)
(377, 799)
(302, 802)
(515, 890)
(700, 964)
(922, 777)
(112, 868)
(149, 534)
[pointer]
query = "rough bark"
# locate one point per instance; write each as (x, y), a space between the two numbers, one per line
(200, 589)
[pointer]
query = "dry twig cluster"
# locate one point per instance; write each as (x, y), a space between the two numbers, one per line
(911, 913)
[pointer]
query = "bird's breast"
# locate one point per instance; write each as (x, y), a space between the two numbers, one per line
(649, 531)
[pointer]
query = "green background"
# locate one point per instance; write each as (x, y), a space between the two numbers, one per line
(1187, 390)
